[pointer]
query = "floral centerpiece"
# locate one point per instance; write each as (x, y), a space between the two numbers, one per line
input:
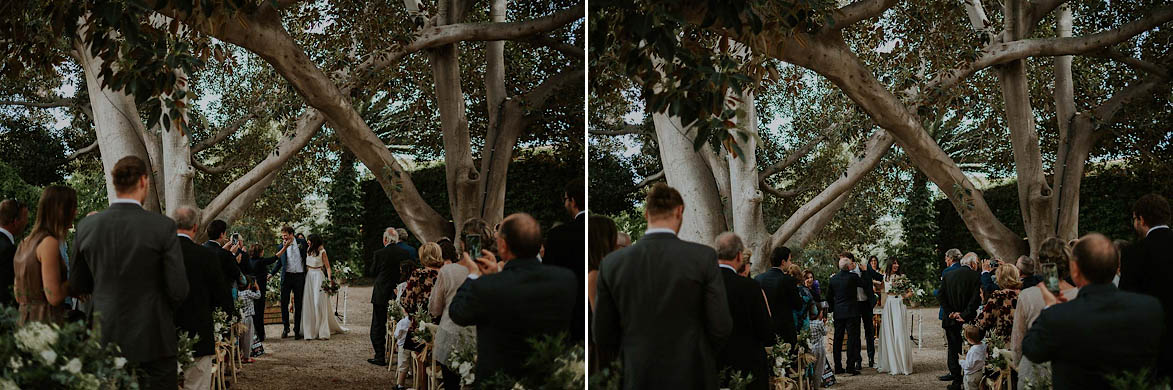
(395, 311)
(331, 287)
(222, 324)
(464, 359)
(782, 357)
(40, 356)
(421, 333)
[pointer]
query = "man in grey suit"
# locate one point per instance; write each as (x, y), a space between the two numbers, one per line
(661, 304)
(130, 261)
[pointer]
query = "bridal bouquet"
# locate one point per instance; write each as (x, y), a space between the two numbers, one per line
(900, 285)
(331, 287)
(40, 356)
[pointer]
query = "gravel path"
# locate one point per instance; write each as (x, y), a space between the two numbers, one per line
(341, 361)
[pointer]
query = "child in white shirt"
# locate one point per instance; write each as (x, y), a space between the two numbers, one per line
(401, 360)
(246, 315)
(975, 361)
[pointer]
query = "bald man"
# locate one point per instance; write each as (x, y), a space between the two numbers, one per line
(1102, 332)
(512, 298)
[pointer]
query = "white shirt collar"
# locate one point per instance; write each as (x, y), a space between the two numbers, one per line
(9, 234)
(126, 200)
(1155, 228)
(659, 230)
(184, 235)
(580, 213)
(730, 267)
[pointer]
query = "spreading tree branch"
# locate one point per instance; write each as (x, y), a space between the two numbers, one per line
(559, 46)
(49, 104)
(796, 155)
(649, 180)
(77, 153)
(226, 131)
(625, 129)
(858, 11)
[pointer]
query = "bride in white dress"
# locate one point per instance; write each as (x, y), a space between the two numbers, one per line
(317, 312)
(895, 355)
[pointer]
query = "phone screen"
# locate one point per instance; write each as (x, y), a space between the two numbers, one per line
(473, 242)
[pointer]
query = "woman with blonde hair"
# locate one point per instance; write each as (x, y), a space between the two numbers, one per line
(997, 316)
(41, 284)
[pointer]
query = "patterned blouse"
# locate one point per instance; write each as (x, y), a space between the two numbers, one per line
(416, 294)
(997, 316)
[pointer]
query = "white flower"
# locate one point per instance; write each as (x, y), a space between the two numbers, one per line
(90, 382)
(74, 366)
(35, 337)
(16, 363)
(6, 384)
(119, 362)
(518, 386)
(48, 356)
(465, 368)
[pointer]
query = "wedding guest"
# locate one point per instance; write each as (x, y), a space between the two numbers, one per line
(843, 301)
(402, 243)
(134, 309)
(752, 329)
(872, 279)
(225, 250)
(997, 316)
(802, 314)
(987, 277)
(403, 357)
(1104, 331)
(41, 284)
(975, 360)
(248, 296)
(385, 268)
(565, 247)
(960, 297)
(814, 285)
(1148, 266)
(419, 288)
(644, 318)
(1027, 267)
(602, 240)
(781, 294)
(259, 264)
(206, 291)
(292, 268)
(514, 299)
(1031, 301)
(952, 256)
(622, 241)
(14, 216)
(449, 335)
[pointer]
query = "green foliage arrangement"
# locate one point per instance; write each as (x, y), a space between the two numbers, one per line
(554, 363)
(40, 356)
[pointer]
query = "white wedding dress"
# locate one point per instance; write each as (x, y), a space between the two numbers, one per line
(895, 355)
(317, 312)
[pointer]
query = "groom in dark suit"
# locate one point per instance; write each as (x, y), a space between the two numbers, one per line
(960, 297)
(781, 294)
(1147, 266)
(843, 301)
(131, 262)
(661, 304)
(292, 268)
(13, 218)
(385, 267)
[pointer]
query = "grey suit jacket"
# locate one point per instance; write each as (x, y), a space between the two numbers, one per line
(131, 262)
(661, 306)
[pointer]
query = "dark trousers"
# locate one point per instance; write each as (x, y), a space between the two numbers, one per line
(953, 336)
(848, 326)
(379, 331)
(259, 317)
(450, 378)
(158, 374)
(292, 283)
(869, 332)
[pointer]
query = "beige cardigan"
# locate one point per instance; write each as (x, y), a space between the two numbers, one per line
(450, 278)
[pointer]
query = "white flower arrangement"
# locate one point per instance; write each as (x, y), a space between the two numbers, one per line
(73, 367)
(464, 358)
(35, 337)
(66, 356)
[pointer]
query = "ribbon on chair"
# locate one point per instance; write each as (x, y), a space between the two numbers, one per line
(1003, 379)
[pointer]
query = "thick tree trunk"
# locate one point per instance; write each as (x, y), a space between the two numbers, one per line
(688, 172)
(815, 224)
(745, 198)
(1066, 219)
(115, 120)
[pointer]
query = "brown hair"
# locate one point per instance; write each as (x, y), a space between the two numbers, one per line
(10, 210)
(795, 271)
(1055, 251)
(662, 200)
(972, 333)
(55, 211)
(127, 172)
(287, 229)
(254, 250)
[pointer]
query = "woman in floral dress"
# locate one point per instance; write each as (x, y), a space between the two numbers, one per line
(419, 286)
(997, 316)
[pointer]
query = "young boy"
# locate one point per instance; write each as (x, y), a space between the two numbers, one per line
(402, 360)
(246, 315)
(975, 360)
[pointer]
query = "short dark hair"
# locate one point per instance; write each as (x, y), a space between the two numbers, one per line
(448, 250)
(848, 255)
(1153, 208)
(1096, 257)
(10, 210)
(127, 172)
(522, 234)
(575, 192)
(662, 200)
(778, 255)
(216, 229)
(287, 229)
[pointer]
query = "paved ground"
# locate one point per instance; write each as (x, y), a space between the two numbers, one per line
(340, 363)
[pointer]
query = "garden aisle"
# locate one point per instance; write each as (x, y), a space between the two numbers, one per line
(927, 363)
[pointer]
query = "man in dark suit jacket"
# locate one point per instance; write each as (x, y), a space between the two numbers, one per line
(1103, 331)
(206, 292)
(292, 268)
(259, 269)
(523, 301)
(752, 328)
(227, 260)
(960, 297)
(867, 276)
(781, 294)
(566, 247)
(952, 258)
(13, 218)
(130, 261)
(843, 301)
(661, 304)
(385, 267)
(1147, 266)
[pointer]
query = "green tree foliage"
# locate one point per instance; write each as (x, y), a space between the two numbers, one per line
(37, 156)
(13, 187)
(346, 209)
(918, 256)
